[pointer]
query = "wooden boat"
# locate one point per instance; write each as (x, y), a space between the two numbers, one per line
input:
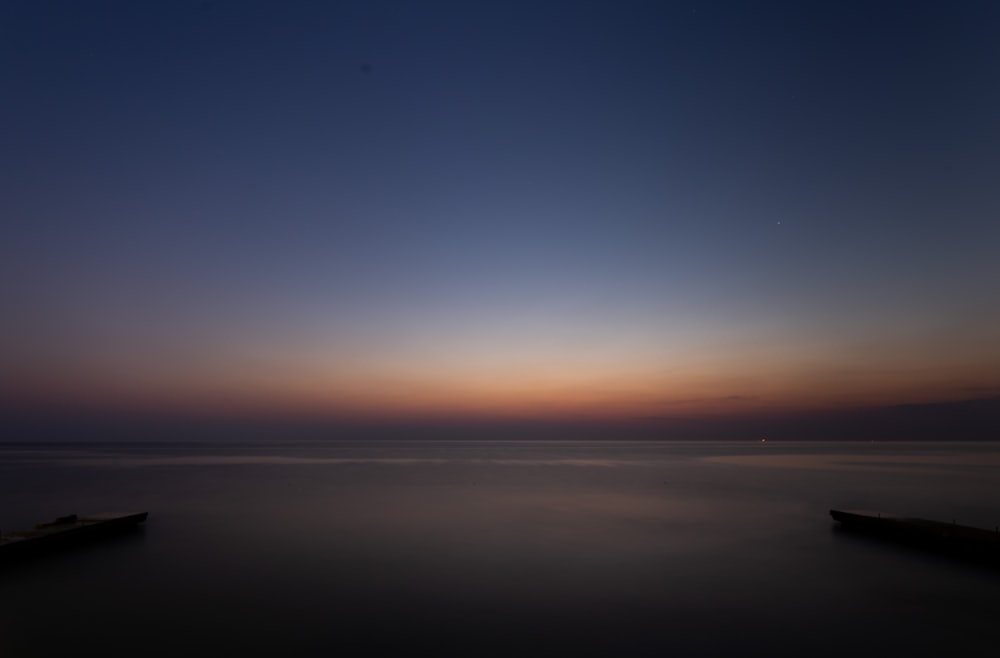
(66, 530)
(961, 540)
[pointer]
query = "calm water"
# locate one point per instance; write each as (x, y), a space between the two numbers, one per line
(498, 549)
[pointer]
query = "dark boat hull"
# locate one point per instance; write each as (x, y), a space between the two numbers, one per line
(67, 531)
(957, 540)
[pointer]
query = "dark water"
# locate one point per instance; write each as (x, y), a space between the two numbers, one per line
(498, 549)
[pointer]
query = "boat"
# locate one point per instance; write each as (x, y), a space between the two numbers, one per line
(67, 530)
(961, 540)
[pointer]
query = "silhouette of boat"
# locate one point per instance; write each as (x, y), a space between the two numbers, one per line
(67, 530)
(961, 540)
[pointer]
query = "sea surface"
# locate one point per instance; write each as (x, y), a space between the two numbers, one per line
(473, 548)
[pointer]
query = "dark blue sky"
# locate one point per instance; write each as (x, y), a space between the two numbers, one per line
(539, 208)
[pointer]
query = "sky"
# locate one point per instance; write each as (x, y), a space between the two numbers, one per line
(480, 212)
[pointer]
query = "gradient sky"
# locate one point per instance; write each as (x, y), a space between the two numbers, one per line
(406, 210)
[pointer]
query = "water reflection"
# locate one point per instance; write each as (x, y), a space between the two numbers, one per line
(498, 549)
(866, 462)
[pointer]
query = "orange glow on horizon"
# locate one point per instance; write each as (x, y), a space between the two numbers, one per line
(570, 392)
